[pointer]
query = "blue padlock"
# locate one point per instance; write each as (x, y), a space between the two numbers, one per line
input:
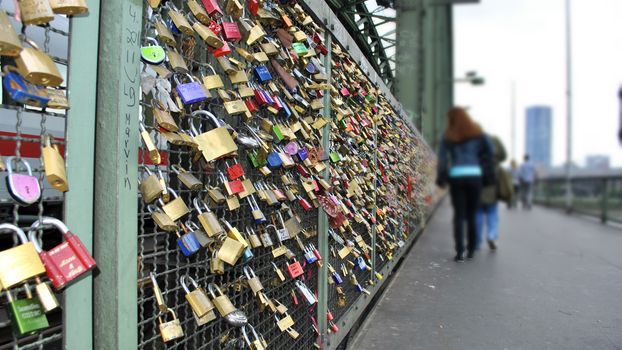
(269, 99)
(262, 73)
(302, 154)
(337, 278)
(361, 263)
(22, 91)
(274, 160)
(247, 255)
(286, 111)
(191, 92)
(309, 256)
(188, 243)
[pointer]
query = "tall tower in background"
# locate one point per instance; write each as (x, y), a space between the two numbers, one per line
(538, 135)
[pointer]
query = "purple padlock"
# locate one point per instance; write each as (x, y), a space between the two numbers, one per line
(291, 148)
(24, 189)
(191, 92)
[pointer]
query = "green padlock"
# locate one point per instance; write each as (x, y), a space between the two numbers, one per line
(300, 49)
(343, 124)
(334, 157)
(252, 158)
(152, 54)
(27, 315)
(277, 133)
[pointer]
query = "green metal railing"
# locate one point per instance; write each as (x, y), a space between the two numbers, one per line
(597, 196)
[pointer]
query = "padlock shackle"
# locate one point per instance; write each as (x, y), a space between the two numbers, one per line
(16, 230)
(172, 192)
(152, 40)
(248, 271)
(212, 289)
(9, 164)
(192, 225)
(45, 221)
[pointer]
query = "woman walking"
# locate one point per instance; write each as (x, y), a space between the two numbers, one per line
(465, 163)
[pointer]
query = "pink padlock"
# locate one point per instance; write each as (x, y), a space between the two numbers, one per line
(24, 189)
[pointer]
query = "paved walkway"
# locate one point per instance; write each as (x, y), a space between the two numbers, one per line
(554, 283)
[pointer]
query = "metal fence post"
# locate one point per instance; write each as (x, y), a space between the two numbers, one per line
(116, 168)
(82, 83)
(322, 217)
(604, 201)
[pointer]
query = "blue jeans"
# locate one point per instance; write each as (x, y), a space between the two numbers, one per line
(490, 214)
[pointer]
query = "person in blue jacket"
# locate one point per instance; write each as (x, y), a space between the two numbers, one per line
(465, 163)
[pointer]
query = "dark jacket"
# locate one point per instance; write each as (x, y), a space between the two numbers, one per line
(490, 193)
(475, 152)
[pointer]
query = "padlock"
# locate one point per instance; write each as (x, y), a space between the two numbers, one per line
(279, 273)
(152, 150)
(285, 325)
(162, 220)
(216, 265)
(212, 81)
(37, 67)
(150, 187)
(262, 74)
(247, 255)
(216, 143)
(231, 251)
(208, 35)
(67, 261)
(295, 269)
(177, 208)
(180, 22)
(190, 92)
(58, 98)
(170, 330)
(153, 53)
(26, 315)
(304, 203)
(300, 49)
(238, 77)
(157, 292)
(335, 275)
(187, 243)
(253, 238)
(253, 281)
(234, 8)
(306, 292)
(22, 91)
(208, 219)
(225, 64)
(46, 296)
(177, 62)
(274, 160)
(69, 7)
(224, 50)
(163, 33)
(252, 31)
(225, 308)
(212, 8)
(256, 211)
(19, 263)
(309, 256)
(187, 178)
(255, 343)
(200, 235)
(23, 188)
(163, 116)
(35, 12)
(231, 31)
(10, 45)
(199, 302)
(199, 12)
(54, 165)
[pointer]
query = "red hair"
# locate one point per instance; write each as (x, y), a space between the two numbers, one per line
(460, 126)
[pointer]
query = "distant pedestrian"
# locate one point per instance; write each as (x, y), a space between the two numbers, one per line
(515, 184)
(488, 211)
(465, 163)
(527, 174)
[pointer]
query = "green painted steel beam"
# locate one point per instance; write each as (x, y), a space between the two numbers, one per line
(116, 169)
(80, 129)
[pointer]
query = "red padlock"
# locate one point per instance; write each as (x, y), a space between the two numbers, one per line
(329, 316)
(304, 203)
(212, 8)
(253, 7)
(333, 327)
(302, 170)
(235, 171)
(294, 270)
(231, 31)
(68, 260)
(251, 105)
(223, 51)
(294, 297)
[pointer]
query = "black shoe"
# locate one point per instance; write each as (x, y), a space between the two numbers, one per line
(492, 245)
(470, 255)
(459, 258)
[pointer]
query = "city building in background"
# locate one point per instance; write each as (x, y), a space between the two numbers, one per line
(538, 135)
(597, 162)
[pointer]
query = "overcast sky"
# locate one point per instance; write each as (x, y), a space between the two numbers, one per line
(523, 41)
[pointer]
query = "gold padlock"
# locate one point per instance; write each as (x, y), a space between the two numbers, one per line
(170, 330)
(178, 18)
(54, 165)
(221, 300)
(162, 220)
(212, 81)
(58, 98)
(163, 116)
(199, 12)
(198, 300)
(163, 33)
(216, 143)
(19, 263)
(217, 266)
(234, 8)
(207, 35)
(176, 61)
(150, 187)
(46, 296)
(177, 208)
(208, 219)
(35, 12)
(238, 77)
(187, 178)
(69, 7)
(10, 45)
(37, 67)
(230, 251)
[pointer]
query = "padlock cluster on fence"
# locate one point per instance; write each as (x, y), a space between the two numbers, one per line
(248, 132)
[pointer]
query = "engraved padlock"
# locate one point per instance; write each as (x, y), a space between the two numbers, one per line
(177, 208)
(187, 178)
(19, 263)
(24, 188)
(191, 91)
(67, 261)
(10, 45)
(150, 187)
(162, 220)
(170, 330)
(208, 219)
